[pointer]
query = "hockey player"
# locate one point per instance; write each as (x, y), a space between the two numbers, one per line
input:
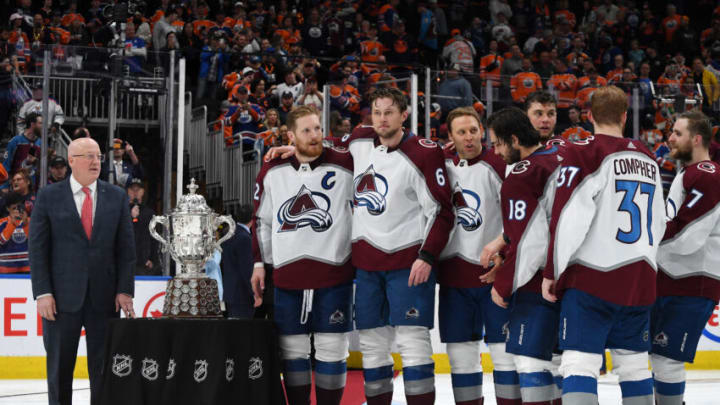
(466, 309)
(526, 198)
(402, 218)
(302, 228)
(401, 222)
(689, 267)
(541, 108)
(605, 230)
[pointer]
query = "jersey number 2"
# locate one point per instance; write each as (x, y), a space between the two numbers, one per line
(630, 188)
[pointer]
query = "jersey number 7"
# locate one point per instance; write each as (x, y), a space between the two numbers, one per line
(628, 204)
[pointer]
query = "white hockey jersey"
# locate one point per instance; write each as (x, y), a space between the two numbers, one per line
(303, 219)
(607, 220)
(475, 186)
(401, 201)
(55, 113)
(689, 258)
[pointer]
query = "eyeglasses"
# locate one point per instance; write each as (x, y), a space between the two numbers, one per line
(91, 156)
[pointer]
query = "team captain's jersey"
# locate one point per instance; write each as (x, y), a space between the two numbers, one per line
(303, 220)
(401, 201)
(688, 258)
(475, 186)
(607, 221)
(526, 200)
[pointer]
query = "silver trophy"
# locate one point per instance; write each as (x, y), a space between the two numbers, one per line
(192, 227)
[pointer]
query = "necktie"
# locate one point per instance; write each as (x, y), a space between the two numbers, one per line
(86, 216)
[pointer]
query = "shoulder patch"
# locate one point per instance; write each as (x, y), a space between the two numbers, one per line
(706, 167)
(555, 142)
(427, 143)
(520, 167)
(587, 140)
(340, 149)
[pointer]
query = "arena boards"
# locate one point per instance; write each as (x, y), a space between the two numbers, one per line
(22, 355)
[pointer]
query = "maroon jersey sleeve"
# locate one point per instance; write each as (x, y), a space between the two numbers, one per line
(429, 158)
(518, 202)
(702, 187)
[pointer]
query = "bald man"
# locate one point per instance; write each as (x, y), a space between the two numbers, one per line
(82, 256)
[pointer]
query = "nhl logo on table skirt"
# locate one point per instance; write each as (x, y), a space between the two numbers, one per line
(307, 208)
(122, 365)
(201, 370)
(171, 369)
(149, 369)
(255, 370)
(229, 369)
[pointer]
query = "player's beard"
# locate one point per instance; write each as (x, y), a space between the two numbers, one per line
(513, 156)
(309, 150)
(681, 152)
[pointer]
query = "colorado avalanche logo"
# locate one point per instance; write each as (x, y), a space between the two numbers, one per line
(307, 208)
(370, 191)
(467, 214)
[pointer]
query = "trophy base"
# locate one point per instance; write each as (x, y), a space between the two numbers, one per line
(193, 297)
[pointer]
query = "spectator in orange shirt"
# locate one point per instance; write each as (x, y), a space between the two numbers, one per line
(524, 82)
(564, 84)
(592, 79)
(577, 130)
(670, 23)
(490, 65)
(615, 75)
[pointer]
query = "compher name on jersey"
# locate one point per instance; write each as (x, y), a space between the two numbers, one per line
(629, 165)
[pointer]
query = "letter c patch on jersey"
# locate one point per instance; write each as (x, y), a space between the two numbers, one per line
(326, 183)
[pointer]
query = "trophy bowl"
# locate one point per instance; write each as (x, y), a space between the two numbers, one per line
(191, 229)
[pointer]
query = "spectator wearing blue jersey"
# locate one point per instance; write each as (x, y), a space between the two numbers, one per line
(14, 256)
(135, 50)
(212, 66)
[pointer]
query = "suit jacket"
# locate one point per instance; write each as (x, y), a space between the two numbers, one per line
(237, 265)
(65, 263)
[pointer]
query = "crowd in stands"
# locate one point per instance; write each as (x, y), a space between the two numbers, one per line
(252, 61)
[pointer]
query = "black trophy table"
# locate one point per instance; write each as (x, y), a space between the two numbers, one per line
(191, 361)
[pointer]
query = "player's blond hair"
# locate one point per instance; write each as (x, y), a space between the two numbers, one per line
(462, 112)
(607, 105)
(298, 112)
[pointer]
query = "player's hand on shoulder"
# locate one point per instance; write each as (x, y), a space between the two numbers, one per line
(282, 152)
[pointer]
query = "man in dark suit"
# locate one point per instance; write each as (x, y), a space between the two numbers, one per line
(82, 258)
(237, 266)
